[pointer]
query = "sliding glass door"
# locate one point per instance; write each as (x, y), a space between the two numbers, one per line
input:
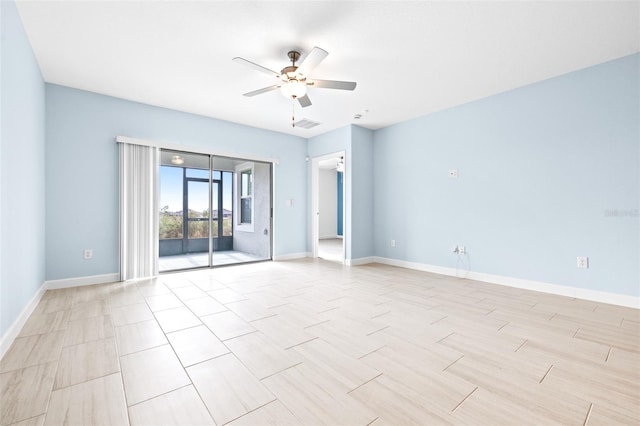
(213, 211)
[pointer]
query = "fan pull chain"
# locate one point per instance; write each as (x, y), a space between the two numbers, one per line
(293, 113)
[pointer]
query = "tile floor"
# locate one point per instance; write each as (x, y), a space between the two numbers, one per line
(201, 260)
(314, 342)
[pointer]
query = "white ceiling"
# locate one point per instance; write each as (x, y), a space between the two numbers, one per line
(410, 58)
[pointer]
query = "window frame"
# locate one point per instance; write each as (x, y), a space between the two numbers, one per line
(239, 197)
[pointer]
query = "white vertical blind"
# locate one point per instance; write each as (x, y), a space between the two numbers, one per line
(138, 211)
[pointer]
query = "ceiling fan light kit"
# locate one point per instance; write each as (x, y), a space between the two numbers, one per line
(294, 79)
(293, 89)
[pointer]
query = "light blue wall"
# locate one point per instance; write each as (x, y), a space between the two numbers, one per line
(362, 194)
(328, 143)
(542, 170)
(82, 173)
(22, 199)
(357, 142)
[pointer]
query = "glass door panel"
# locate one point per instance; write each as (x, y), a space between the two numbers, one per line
(213, 211)
(184, 211)
(198, 221)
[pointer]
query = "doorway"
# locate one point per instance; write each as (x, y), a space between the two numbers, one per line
(213, 211)
(328, 199)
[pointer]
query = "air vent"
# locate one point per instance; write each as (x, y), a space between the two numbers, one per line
(305, 123)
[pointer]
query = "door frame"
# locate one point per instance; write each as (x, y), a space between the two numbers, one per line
(315, 203)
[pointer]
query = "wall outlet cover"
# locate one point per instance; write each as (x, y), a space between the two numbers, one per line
(582, 262)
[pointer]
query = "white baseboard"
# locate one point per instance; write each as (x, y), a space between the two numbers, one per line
(561, 290)
(291, 256)
(361, 261)
(80, 281)
(13, 331)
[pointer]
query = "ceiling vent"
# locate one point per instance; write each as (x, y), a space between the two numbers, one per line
(305, 123)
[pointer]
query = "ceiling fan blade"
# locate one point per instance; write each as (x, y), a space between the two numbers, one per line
(261, 91)
(312, 60)
(333, 84)
(304, 101)
(256, 66)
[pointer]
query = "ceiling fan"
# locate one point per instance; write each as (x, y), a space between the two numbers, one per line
(294, 80)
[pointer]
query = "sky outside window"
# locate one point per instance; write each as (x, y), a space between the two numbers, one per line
(171, 190)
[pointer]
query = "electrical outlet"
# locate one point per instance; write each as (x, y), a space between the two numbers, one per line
(393, 243)
(583, 262)
(461, 250)
(88, 253)
(453, 173)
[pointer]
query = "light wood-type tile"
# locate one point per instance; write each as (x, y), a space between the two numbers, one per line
(54, 301)
(627, 363)
(262, 357)
(150, 373)
(359, 307)
(152, 287)
(45, 323)
(179, 407)
(176, 319)
(437, 357)
(268, 299)
(249, 310)
(226, 295)
(86, 361)
(196, 344)
(130, 314)
(80, 295)
(313, 342)
(437, 389)
(611, 392)
(206, 305)
(612, 336)
(89, 309)
(163, 301)
(188, 292)
(315, 398)
(33, 421)
(139, 336)
(601, 415)
(176, 280)
(396, 406)
(227, 325)
(484, 407)
(344, 339)
(125, 296)
(348, 371)
(282, 332)
(87, 329)
(629, 325)
(96, 402)
(297, 315)
(207, 284)
(272, 414)
(559, 405)
(564, 351)
(32, 350)
(25, 393)
(227, 388)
